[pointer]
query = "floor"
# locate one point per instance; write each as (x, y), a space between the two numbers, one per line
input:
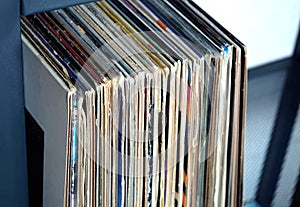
(264, 93)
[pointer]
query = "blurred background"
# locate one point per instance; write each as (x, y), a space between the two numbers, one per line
(270, 30)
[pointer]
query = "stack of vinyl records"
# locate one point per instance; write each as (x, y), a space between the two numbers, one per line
(156, 102)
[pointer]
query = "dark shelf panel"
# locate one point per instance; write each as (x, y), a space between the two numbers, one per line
(13, 176)
(35, 6)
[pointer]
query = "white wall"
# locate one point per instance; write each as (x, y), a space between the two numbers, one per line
(268, 28)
